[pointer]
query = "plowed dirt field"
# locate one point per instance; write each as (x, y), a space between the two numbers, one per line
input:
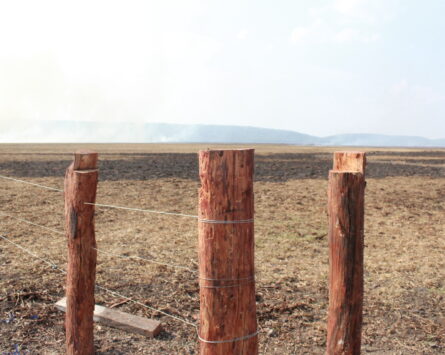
(404, 306)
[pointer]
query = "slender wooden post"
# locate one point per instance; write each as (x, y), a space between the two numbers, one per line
(80, 187)
(227, 323)
(346, 222)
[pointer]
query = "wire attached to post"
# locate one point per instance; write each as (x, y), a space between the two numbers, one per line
(100, 250)
(142, 210)
(229, 340)
(145, 259)
(216, 221)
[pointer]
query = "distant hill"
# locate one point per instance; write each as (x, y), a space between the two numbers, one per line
(127, 132)
(380, 140)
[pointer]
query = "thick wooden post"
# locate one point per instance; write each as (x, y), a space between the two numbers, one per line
(80, 187)
(346, 222)
(227, 323)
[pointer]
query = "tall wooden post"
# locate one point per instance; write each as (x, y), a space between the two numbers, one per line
(227, 324)
(80, 187)
(346, 223)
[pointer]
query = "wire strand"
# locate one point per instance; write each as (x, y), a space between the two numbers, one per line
(228, 340)
(134, 257)
(55, 267)
(145, 259)
(48, 262)
(142, 210)
(31, 183)
(217, 221)
(202, 220)
(102, 251)
(32, 223)
(148, 307)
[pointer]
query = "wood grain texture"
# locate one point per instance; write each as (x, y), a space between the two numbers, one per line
(226, 252)
(350, 161)
(80, 187)
(85, 160)
(121, 320)
(346, 223)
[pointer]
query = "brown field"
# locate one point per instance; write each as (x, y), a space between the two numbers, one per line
(404, 309)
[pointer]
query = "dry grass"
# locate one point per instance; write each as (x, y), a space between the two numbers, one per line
(404, 235)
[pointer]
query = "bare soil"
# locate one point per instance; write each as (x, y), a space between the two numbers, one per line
(404, 310)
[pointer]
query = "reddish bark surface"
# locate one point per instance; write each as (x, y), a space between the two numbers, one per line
(80, 187)
(226, 253)
(346, 222)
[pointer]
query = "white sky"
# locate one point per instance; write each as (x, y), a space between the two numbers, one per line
(317, 67)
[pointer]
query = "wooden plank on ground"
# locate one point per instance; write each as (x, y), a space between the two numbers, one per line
(121, 320)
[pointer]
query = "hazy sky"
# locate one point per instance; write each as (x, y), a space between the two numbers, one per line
(317, 67)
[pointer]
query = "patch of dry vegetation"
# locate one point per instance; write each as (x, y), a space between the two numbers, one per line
(404, 236)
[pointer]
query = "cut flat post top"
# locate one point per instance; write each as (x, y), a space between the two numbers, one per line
(85, 160)
(121, 320)
(346, 240)
(350, 161)
(80, 187)
(227, 323)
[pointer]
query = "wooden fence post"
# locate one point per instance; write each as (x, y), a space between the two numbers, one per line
(80, 187)
(346, 223)
(227, 324)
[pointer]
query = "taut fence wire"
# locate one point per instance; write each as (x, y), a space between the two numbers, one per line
(54, 266)
(136, 257)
